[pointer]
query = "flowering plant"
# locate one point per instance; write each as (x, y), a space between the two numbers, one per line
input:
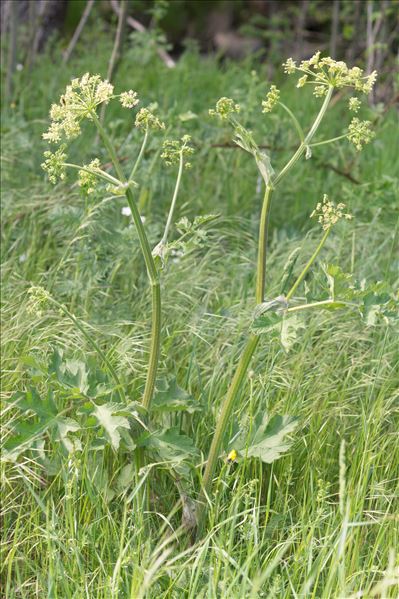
(80, 102)
(326, 75)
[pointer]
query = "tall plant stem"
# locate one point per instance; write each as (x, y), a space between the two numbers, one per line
(307, 265)
(246, 356)
(262, 246)
(249, 349)
(151, 270)
(222, 423)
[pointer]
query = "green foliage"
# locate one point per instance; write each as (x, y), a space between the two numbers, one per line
(172, 398)
(40, 416)
(76, 523)
(266, 440)
(65, 387)
(171, 448)
(111, 422)
(290, 328)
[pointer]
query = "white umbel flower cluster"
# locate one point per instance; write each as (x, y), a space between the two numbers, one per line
(272, 97)
(145, 119)
(327, 72)
(360, 133)
(328, 214)
(88, 179)
(129, 99)
(80, 101)
(173, 149)
(225, 108)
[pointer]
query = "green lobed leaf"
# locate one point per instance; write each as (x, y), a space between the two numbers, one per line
(40, 415)
(171, 446)
(290, 327)
(340, 284)
(267, 441)
(107, 416)
(172, 398)
(66, 426)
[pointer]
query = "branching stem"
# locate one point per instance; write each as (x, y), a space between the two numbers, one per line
(249, 349)
(307, 139)
(140, 156)
(151, 270)
(173, 204)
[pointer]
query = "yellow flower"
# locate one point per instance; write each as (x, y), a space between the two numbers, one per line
(232, 456)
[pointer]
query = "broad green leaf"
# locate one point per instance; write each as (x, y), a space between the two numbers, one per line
(125, 478)
(23, 437)
(39, 416)
(65, 426)
(268, 438)
(380, 307)
(55, 363)
(69, 373)
(171, 446)
(31, 401)
(108, 418)
(340, 283)
(172, 398)
(269, 314)
(37, 370)
(75, 375)
(290, 327)
(263, 323)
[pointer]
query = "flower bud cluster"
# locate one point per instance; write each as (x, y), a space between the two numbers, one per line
(272, 98)
(326, 72)
(174, 149)
(88, 180)
(328, 214)
(360, 133)
(225, 108)
(145, 119)
(54, 164)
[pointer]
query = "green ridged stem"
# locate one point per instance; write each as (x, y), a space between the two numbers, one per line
(249, 349)
(151, 270)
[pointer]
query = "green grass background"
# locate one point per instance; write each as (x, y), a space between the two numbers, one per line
(311, 525)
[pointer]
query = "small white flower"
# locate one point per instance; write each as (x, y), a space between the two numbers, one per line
(129, 99)
(23, 258)
(126, 211)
